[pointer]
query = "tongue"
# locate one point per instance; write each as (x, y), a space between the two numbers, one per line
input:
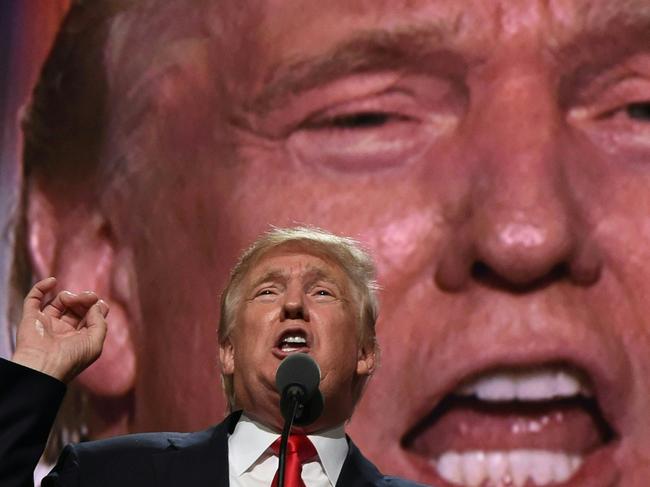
(464, 424)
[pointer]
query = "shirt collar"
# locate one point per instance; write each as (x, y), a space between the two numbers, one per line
(250, 440)
(332, 448)
(248, 443)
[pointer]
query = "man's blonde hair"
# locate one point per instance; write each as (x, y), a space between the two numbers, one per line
(347, 253)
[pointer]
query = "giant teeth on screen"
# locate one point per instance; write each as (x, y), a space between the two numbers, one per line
(515, 467)
(532, 385)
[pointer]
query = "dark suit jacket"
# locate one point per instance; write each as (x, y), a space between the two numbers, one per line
(28, 403)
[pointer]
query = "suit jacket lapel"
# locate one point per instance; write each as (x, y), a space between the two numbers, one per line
(197, 458)
(357, 471)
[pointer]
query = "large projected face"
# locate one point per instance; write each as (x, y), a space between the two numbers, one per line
(495, 158)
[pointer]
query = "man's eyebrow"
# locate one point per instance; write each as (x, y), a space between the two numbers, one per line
(605, 37)
(271, 275)
(633, 14)
(416, 47)
(314, 274)
(311, 275)
(377, 49)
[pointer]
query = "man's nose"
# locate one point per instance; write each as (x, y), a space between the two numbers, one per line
(294, 306)
(521, 224)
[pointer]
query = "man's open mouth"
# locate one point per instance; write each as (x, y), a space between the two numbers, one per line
(515, 427)
(291, 341)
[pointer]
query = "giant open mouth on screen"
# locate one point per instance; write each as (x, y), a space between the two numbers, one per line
(539, 425)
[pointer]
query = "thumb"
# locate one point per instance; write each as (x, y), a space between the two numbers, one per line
(96, 323)
(96, 320)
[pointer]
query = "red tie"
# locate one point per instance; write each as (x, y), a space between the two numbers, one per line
(299, 451)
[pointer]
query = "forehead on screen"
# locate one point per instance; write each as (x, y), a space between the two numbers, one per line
(378, 35)
(150, 40)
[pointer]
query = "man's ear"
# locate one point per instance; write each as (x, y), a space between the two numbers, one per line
(75, 244)
(367, 359)
(227, 357)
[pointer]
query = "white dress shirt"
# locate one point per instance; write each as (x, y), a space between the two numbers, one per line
(251, 462)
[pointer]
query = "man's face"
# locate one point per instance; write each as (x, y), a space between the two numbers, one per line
(295, 300)
(494, 156)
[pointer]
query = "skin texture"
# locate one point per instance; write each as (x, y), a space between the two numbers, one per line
(494, 157)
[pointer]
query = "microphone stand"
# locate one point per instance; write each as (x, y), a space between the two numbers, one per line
(288, 423)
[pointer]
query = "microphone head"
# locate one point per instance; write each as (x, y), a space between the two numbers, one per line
(299, 373)
(301, 370)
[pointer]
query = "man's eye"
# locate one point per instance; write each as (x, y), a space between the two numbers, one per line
(361, 120)
(639, 111)
(323, 292)
(368, 135)
(266, 292)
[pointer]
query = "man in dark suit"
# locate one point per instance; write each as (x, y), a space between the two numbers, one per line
(295, 290)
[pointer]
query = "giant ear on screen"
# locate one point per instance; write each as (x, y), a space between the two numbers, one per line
(74, 243)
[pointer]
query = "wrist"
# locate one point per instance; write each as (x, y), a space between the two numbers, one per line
(37, 361)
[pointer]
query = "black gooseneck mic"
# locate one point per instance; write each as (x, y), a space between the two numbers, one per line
(301, 402)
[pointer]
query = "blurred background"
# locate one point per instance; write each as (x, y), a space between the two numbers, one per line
(27, 28)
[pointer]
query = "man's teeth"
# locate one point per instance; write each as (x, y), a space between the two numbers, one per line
(512, 468)
(293, 342)
(533, 385)
(295, 339)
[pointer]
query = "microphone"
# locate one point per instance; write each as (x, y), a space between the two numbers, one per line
(297, 380)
